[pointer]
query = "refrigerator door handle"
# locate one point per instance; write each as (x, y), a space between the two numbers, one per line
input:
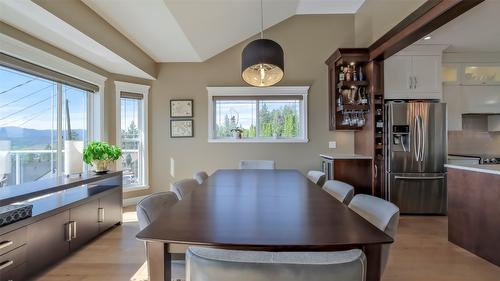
(418, 178)
(416, 140)
(422, 136)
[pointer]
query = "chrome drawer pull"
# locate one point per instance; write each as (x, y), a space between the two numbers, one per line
(5, 244)
(100, 215)
(419, 178)
(73, 230)
(5, 264)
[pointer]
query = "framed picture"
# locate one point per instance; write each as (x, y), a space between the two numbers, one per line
(181, 128)
(181, 108)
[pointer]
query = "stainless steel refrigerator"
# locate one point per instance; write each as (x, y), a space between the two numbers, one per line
(416, 148)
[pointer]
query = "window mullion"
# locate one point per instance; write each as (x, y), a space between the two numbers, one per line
(257, 119)
(59, 162)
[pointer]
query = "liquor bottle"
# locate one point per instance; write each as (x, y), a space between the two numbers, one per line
(354, 74)
(340, 103)
(361, 77)
(348, 73)
(363, 97)
(341, 74)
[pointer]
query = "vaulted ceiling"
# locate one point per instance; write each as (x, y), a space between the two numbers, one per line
(195, 30)
(153, 31)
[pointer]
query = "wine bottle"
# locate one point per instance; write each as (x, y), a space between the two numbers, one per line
(341, 74)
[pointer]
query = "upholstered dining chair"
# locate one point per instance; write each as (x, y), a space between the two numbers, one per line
(200, 176)
(229, 265)
(149, 209)
(317, 177)
(382, 214)
(183, 187)
(340, 190)
(258, 164)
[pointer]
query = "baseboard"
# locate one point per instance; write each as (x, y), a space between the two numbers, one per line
(132, 201)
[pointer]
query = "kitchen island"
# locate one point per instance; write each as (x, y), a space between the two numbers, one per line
(474, 209)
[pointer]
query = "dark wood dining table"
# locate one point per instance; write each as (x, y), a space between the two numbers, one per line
(268, 210)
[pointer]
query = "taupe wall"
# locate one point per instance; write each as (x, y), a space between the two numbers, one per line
(376, 17)
(473, 142)
(307, 42)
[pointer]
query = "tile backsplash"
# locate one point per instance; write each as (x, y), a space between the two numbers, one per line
(473, 142)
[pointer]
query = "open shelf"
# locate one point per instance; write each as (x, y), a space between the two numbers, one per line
(350, 84)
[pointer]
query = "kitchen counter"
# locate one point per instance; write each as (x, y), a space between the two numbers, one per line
(488, 169)
(345, 156)
(473, 209)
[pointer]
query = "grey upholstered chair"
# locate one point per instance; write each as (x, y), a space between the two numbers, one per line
(317, 177)
(228, 265)
(340, 190)
(258, 164)
(382, 214)
(149, 208)
(200, 177)
(183, 187)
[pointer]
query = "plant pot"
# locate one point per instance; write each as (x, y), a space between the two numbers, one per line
(237, 134)
(101, 166)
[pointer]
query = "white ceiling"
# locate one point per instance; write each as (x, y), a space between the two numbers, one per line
(476, 31)
(196, 30)
(34, 20)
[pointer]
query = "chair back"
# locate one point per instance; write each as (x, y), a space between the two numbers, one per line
(229, 265)
(200, 177)
(183, 187)
(340, 190)
(317, 177)
(382, 214)
(258, 164)
(149, 208)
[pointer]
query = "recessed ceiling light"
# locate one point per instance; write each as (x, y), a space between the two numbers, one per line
(427, 37)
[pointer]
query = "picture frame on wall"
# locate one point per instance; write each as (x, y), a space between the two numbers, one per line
(181, 108)
(181, 128)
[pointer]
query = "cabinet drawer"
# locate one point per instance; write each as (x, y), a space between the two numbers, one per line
(15, 274)
(12, 260)
(12, 240)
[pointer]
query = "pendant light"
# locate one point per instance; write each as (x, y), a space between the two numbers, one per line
(262, 62)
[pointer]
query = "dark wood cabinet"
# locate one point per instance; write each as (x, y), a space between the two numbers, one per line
(83, 224)
(110, 210)
(47, 241)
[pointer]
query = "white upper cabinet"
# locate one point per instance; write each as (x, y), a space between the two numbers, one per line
(481, 74)
(412, 77)
(414, 73)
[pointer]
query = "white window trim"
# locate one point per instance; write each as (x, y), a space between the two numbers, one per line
(255, 91)
(21, 50)
(144, 90)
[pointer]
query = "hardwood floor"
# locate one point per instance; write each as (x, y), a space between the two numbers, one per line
(421, 252)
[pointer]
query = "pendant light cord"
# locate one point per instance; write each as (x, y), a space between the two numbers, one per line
(261, 20)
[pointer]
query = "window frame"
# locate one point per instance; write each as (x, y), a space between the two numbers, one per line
(144, 90)
(302, 91)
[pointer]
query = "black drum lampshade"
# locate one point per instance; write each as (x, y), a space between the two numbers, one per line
(262, 63)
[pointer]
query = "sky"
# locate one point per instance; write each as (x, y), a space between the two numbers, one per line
(30, 102)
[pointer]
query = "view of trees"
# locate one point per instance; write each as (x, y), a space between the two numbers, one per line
(279, 122)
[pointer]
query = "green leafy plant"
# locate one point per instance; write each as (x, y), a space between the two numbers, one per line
(101, 152)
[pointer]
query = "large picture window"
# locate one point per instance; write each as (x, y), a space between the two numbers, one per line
(277, 114)
(132, 134)
(37, 116)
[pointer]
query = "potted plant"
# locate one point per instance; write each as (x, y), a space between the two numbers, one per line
(237, 132)
(100, 154)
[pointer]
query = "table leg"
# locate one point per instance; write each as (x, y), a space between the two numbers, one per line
(374, 261)
(159, 261)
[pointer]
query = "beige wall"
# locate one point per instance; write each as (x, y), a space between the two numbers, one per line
(376, 17)
(473, 142)
(307, 42)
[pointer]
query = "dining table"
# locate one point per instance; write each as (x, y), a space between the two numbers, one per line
(261, 210)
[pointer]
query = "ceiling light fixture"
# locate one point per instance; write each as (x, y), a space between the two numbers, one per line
(428, 37)
(262, 60)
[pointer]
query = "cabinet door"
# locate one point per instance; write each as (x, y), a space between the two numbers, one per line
(47, 242)
(397, 73)
(84, 224)
(110, 209)
(427, 77)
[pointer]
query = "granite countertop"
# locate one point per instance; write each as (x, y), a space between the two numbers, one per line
(345, 156)
(488, 169)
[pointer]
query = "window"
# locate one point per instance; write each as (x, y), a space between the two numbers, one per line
(275, 114)
(38, 114)
(132, 134)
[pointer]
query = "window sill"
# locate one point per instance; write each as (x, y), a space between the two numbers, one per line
(231, 140)
(135, 188)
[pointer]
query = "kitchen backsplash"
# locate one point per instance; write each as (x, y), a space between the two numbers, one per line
(472, 142)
